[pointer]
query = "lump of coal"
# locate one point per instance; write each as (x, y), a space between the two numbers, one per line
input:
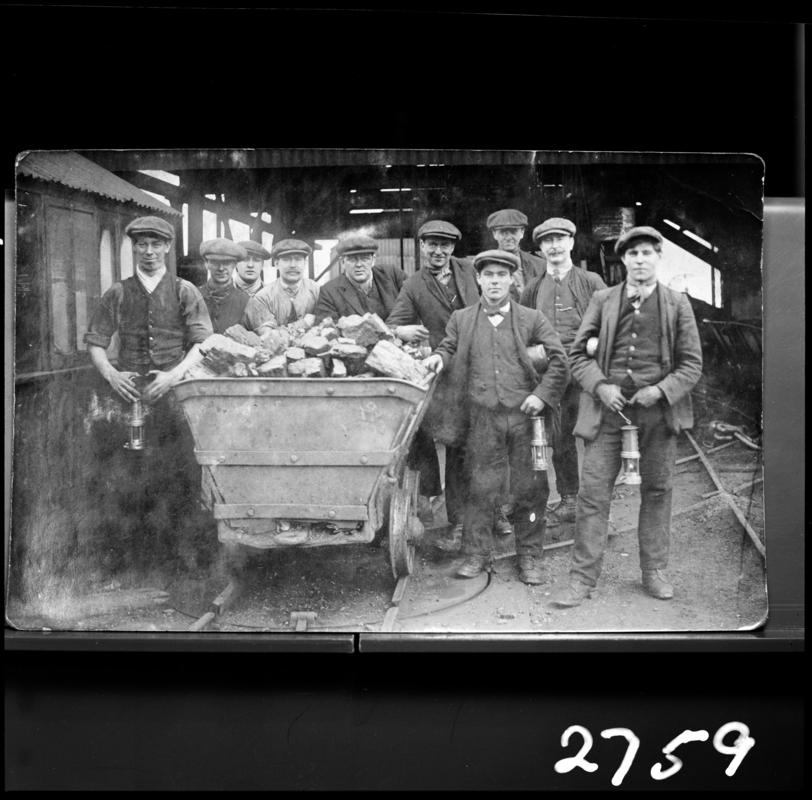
(339, 368)
(221, 353)
(243, 336)
(365, 331)
(274, 367)
(313, 344)
(353, 356)
(392, 362)
(307, 368)
(274, 340)
(295, 354)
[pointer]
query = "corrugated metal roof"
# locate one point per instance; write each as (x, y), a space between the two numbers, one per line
(77, 172)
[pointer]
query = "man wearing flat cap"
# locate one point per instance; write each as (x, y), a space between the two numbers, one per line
(224, 300)
(496, 388)
(507, 226)
(248, 273)
(443, 285)
(562, 292)
(160, 321)
(291, 296)
(364, 286)
(648, 360)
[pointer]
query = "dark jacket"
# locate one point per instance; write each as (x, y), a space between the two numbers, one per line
(339, 298)
(533, 266)
(681, 356)
(583, 285)
(225, 307)
(529, 327)
(422, 300)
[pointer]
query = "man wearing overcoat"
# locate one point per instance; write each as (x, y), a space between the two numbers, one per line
(648, 360)
(497, 389)
(562, 291)
(364, 286)
(443, 285)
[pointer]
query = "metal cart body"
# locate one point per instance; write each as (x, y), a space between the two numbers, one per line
(308, 461)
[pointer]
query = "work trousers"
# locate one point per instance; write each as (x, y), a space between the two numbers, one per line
(565, 454)
(602, 461)
(423, 457)
(497, 439)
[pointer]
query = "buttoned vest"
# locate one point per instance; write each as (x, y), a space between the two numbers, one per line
(151, 327)
(636, 352)
(496, 374)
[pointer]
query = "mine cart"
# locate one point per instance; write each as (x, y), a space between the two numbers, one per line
(306, 462)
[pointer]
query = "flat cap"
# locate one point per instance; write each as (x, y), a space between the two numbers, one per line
(554, 225)
(356, 245)
(439, 228)
(150, 225)
(641, 232)
(256, 248)
(287, 247)
(222, 249)
(507, 218)
(501, 257)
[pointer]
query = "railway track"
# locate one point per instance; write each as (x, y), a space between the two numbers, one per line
(217, 612)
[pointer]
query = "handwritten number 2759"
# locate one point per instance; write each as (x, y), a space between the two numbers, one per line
(739, 749)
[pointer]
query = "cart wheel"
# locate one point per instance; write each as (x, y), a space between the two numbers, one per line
(404, 526)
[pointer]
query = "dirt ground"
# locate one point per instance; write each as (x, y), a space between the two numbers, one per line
(718, 576)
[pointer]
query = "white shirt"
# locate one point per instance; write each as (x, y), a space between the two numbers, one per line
(495, 319)
(562, 271)
(150, 282)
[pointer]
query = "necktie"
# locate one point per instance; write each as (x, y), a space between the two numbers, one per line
(556, 276)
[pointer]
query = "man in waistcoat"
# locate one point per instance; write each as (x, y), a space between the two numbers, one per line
(248, 274)
(648, 360)
(496, 389)
(443, 285)
(224, 300)
(291, 296)
(363, 286)
(562, 292)
(160, 321)
(507, 227)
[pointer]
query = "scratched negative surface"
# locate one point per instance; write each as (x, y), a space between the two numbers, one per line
(283, 504)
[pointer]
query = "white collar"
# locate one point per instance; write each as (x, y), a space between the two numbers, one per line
(562, 271)
(150, 282)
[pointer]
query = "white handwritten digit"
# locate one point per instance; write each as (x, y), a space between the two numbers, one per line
(739, 749)
(631, 751)
(569, 764)
(657, 771)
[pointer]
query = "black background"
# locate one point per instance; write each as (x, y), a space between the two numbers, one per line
(80, 78)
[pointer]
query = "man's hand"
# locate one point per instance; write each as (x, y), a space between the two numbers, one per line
(123, 383)
(163, 382)
(647, 396)
(434, 363)
(610, 395)
(412, 333)
(532, 405)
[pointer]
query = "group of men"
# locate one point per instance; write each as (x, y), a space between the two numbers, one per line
(508, 333)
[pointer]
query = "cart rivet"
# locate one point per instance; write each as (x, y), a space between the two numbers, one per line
(250, 512)
(294, 457)
(331, 390)
(364, 460)
(331, 514)
(391, 389)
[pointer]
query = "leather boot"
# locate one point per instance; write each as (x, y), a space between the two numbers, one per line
(656, 584)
